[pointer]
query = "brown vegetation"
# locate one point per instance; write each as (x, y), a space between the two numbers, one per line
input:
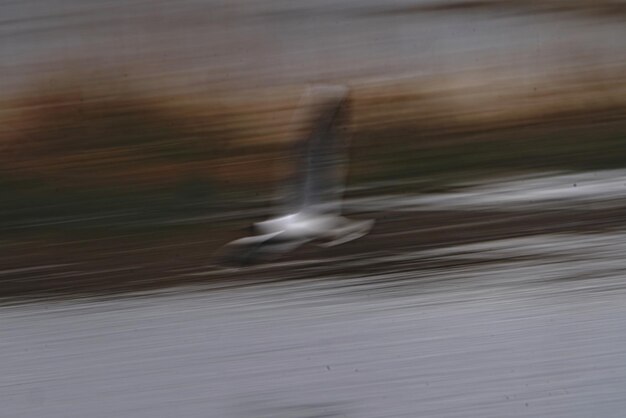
(77, 134)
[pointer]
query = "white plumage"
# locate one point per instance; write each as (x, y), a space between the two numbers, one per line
(311, 210)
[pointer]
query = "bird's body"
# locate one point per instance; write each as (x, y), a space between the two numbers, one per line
(312, 205)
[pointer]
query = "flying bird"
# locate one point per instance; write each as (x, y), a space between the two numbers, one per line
(311, 205)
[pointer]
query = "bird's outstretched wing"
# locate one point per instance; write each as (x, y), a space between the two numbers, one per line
(317, 182)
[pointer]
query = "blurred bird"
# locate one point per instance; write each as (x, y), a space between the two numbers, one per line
(312, 203)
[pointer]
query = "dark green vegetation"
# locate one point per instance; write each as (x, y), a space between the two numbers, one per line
(592, 146)
(82, 159)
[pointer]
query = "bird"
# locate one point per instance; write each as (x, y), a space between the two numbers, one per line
(310, 211)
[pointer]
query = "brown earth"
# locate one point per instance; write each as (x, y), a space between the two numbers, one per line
(134, 261)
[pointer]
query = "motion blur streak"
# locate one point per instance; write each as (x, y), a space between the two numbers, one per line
(137, 137)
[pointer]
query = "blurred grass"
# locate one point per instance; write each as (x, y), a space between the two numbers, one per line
(567, 149)
(79, 156)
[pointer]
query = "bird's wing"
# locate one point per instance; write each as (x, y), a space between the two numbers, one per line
(318, 179)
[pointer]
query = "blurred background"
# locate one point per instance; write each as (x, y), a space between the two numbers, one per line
(488, 140)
